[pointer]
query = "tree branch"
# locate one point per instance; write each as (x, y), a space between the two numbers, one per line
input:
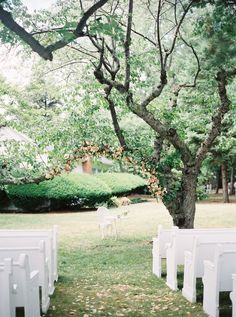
(115, 122)
(217, 120)
(155, 93)
(127, 45)
(169, 52)
(46, 52)
(7, 19)
(22, 180)
(164, 131)
(98, 73)
(158, 146)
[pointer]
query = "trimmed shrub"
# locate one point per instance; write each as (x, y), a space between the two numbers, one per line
(78, 190)
(68, 190)
(73, 191)
(29, 197)
(122, 183)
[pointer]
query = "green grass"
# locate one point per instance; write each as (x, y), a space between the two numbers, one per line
(113, 277)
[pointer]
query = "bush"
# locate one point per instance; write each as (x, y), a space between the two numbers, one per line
(78, 190)
(122, 183)
(68, 190)
(28, 196)
(73, 191)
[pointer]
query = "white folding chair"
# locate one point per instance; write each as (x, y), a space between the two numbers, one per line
(107, 223)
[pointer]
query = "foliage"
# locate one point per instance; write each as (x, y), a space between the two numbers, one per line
(79, 189)
(29, 197)
(217, 25)
(65, 190)
(122, 183)
(73, 190)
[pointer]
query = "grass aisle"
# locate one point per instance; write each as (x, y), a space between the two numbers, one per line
(113, 277)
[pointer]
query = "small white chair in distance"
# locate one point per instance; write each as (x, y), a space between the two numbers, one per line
(107, 223)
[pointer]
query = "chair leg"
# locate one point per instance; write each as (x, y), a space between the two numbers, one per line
(115, 229)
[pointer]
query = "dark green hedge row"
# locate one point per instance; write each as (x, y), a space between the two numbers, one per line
(122, 183)
(63, 191)
(73, 190)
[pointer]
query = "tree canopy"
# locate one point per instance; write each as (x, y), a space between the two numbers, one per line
(169, 63)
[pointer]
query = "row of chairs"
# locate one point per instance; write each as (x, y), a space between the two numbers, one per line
(28, 268)
(208, 253)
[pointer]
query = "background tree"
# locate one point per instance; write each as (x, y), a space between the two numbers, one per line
(130, 59)
(181, 186)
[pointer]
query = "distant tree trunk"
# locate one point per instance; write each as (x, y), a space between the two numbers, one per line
(232, 189)
(218, 181)
(224, 183)
(182, 208)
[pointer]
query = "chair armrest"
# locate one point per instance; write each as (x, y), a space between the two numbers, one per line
(34, 276)
(167, 245)
(188, 255)
(208, 265)
(14, 288)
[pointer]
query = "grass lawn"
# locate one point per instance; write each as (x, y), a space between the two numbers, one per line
(113, 277)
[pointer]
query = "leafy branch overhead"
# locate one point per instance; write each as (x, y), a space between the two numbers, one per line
(47, 52)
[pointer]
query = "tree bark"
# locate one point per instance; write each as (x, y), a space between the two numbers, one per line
(116, 125)
(232, 190)
(183, 207)
(224, 182)
(218, 180)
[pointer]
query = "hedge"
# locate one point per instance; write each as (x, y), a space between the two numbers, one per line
(122, 183)
(28, 196)
(73, 191)
(83, 189)
(67, 190)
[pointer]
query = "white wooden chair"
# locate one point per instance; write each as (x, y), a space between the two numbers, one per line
(37, 262)
(24, 290)
(217, 278)
(106, 222)
(6, 288)
(233, 296)
(31, 238)
(182, 240)
(159, 249)
(203, 249)
(43, 233)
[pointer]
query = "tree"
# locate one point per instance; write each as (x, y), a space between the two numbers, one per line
(181, 205)
(122, 62)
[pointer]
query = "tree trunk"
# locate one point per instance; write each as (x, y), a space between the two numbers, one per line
(218, 180)
(224, 183)
(232, 190)
(182, 208)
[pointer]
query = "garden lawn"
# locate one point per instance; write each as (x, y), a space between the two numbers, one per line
(113, 277)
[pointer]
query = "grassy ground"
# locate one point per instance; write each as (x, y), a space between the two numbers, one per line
(113, 277)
